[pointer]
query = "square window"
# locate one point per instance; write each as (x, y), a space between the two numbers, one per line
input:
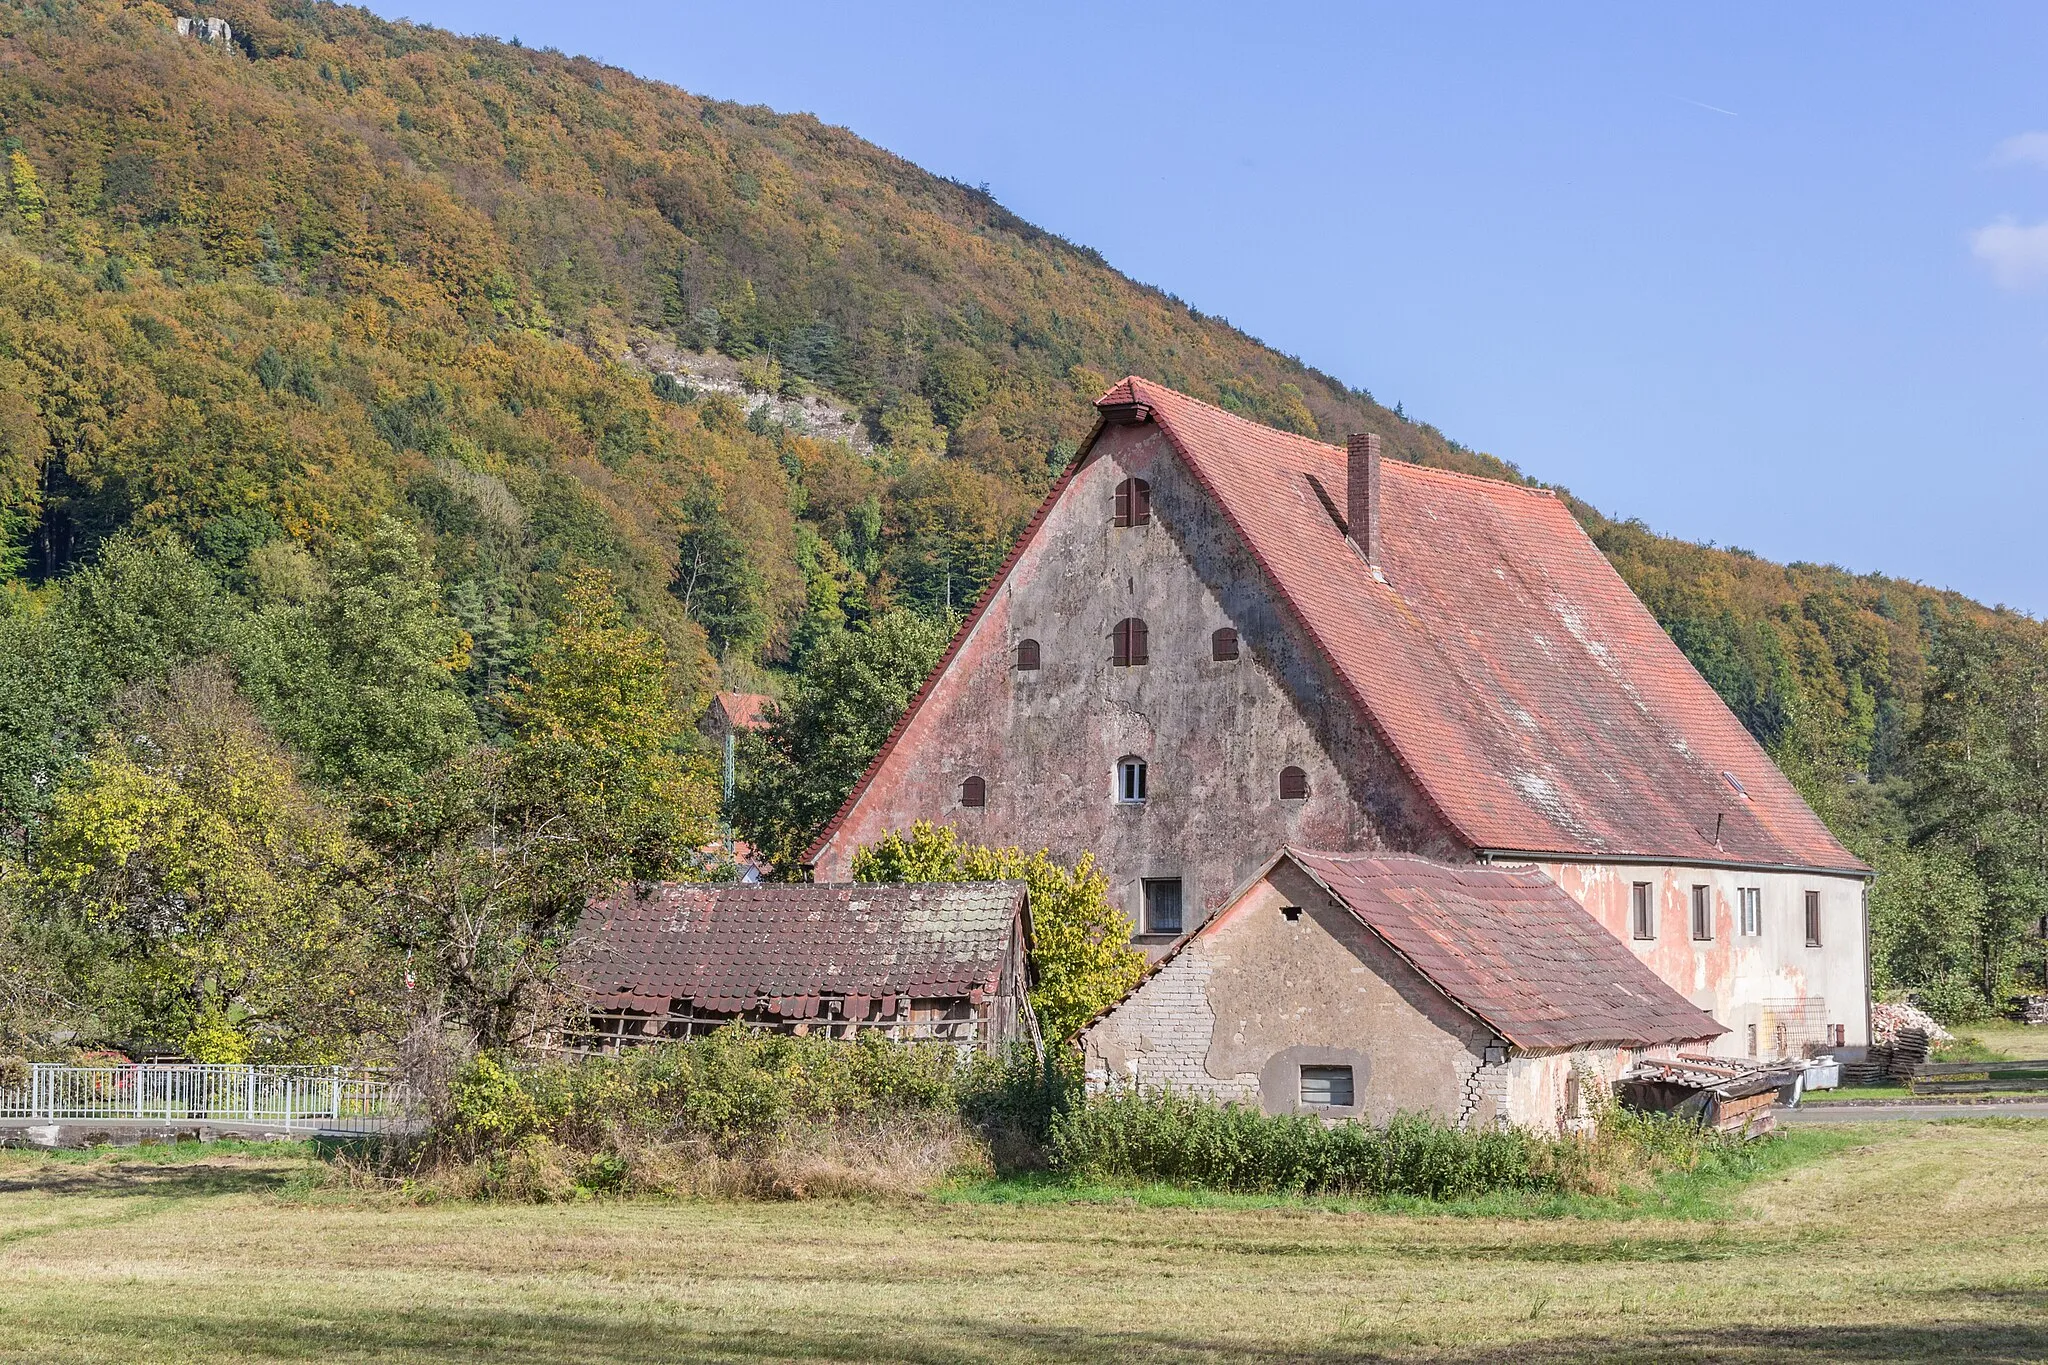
(1162, 905)
(1326, 1087)
(1642, 912)
(1752, 911)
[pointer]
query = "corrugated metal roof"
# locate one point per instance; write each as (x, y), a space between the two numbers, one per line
(1513, 949)
(735, 947)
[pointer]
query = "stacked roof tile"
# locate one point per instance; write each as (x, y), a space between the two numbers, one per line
(1511, 948)
(734, 948)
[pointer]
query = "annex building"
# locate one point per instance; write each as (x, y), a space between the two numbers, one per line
(1216, 640)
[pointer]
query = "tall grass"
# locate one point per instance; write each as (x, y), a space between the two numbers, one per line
(1179, 1139)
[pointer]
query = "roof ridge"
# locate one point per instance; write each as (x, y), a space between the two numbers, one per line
(1336, 451)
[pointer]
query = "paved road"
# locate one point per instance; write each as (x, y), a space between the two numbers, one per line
(1878, 1113)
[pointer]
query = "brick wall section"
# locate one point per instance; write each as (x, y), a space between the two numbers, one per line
(1160, 1036)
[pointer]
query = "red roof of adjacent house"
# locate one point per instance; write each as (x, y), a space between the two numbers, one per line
(742, 709)
(1501, 658)
(1512, 949)
(729, 948)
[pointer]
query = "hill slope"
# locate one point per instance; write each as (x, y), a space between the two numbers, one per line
(342, 268)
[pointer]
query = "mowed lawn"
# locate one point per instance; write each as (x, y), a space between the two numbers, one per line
(1907, 1242)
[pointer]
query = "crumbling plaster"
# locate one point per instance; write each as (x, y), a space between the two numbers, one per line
(1769, 980)
(1242, 1006)
(1214, 735)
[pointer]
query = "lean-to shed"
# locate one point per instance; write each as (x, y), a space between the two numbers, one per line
(928, 961)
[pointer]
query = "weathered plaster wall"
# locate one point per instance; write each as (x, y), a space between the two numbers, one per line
(1789, 992)
(1246, 1004)
(1215, 735)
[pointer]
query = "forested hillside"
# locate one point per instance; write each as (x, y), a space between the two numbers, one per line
(320, 426)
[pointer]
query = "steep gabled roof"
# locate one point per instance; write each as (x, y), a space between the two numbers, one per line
(1511, 949)
(741, 710)
(1505, 663)
(728, 948)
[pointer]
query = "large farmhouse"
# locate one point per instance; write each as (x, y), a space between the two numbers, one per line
(1216, 639)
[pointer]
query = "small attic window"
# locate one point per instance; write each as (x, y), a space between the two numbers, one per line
(1293, 784)
(1027, 656)
(1133, 503)
(1290, 913)
(974, 793)
(1223, 645)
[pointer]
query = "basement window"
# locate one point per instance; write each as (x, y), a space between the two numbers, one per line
(1130, 781)
(1813, 919)
(1293, 784)
(1326, 1087)
(1752, 911)
(1127, 643)
(1702, 913)
(1162, 905)
(974, 793)
(1134, 503)
(1223, 645)
(1642, 912)
(1027, 656)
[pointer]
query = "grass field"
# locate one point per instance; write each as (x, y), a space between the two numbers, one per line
(1904, 1242)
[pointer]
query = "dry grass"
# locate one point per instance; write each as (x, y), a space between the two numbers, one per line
(1924, 1241)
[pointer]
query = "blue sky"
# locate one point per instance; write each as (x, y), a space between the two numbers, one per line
(1761, 275)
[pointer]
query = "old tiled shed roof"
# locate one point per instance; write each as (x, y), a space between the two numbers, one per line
(730, 948)
(1512, 949)
(741, 710)
(1513, 673)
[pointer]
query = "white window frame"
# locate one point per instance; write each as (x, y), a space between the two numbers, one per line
(1131, 785)
(1752, 911)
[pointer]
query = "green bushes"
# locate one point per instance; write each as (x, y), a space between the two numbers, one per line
(1184, 1140)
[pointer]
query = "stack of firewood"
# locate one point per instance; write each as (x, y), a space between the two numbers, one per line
(2034, 1010)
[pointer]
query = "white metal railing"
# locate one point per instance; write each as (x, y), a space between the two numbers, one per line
(289, 1097)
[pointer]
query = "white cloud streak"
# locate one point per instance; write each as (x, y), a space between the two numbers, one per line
(2016, 252)
(2024, 149)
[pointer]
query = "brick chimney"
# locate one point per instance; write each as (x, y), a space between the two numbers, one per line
(1362, 494)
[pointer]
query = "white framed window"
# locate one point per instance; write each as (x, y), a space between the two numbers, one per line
(1162, 905)
(1752, 911)
(1130, 780)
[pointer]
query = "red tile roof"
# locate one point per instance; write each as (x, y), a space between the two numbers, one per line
(742, 709)
(1501, 658)
(729, 948)
(1512, 949)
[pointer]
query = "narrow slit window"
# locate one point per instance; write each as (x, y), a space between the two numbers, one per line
(1813, 919)
(1327, 1087)
(1223, 645)
(1162, 905)
(1702, 913)
(1752, 911)
(1127, 643)
(1130, 781)
(1293, 784)
(974, 793)
(1027, 656)
(1133, 503)
(1642, 912)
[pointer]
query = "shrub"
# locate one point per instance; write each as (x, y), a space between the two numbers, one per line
(1182, 1139)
